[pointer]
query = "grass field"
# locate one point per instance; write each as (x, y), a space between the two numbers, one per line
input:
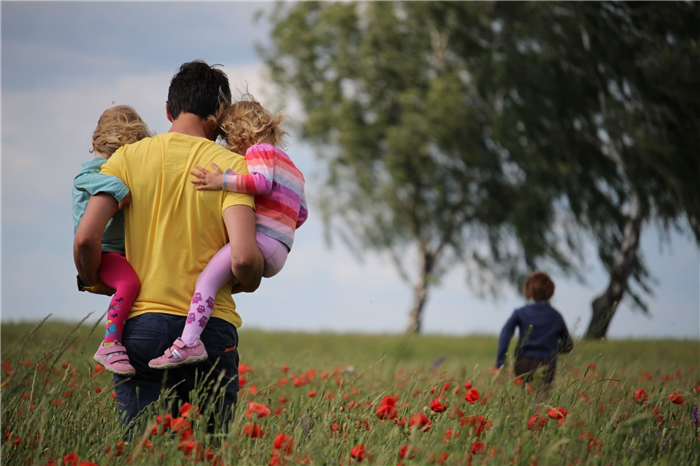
(328, 394)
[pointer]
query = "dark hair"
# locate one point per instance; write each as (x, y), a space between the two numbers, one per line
(538, 286)
(199, 89)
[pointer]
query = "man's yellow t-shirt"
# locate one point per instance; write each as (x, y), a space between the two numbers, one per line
(171, 229)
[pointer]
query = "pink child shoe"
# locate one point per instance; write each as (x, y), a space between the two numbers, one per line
(115, 359)
(180, 354)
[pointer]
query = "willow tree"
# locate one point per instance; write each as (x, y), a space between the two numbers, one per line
(404, 130)
(491, 134)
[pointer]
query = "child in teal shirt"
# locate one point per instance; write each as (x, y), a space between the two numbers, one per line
(116, 127)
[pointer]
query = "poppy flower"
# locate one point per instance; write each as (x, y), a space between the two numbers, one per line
(640, 396)
(387, 408)
(404, 453)
(71, 459)
(284, 443)
(468, 385)
(437, 407)
(536, 423)
(472, 396)
(257, 409)
(557, 413)
(312, 393)
(477, 448)
(675, 398)
(420, 421)
(253, 431)
(477, 423)
(186, 446)
(358, 452)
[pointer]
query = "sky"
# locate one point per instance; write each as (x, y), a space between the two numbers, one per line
(63, 64)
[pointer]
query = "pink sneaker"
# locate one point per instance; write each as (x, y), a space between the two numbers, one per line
(115, 359)
(180, 354)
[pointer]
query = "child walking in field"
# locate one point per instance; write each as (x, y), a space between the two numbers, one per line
(116, 127)
(542, 331)
(280, 209)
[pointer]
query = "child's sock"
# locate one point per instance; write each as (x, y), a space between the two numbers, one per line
(212, 278)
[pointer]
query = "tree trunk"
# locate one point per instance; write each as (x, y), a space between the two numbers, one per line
(420, 296)
(420, 292)
(605, 305)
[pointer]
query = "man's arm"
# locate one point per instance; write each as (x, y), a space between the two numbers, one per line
(87, 246)
(247, 262)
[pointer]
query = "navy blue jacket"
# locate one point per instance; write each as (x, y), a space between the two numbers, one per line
(542, 333)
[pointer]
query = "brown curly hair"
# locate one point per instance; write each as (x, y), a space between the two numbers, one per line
(538, 287)
(246, 123)
(117, 127)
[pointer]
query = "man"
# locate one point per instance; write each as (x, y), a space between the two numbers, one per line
(172, 230)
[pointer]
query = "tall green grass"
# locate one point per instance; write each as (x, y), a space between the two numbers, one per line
(56, 402)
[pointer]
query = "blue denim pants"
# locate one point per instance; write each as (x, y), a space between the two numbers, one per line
(148, 336)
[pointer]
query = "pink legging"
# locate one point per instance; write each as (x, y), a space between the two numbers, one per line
(217, 273)
(117, 273)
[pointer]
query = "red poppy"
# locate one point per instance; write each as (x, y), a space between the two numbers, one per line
(71, 459)
(675, 398)
(285, 368)
(312, 393)
(420, 421)
(253, 431)
(468, 385)
(557, 413)
(243, 368)
(438, 407)
(478, 448)
(284, 443)
(387, 407)
(185, 410)
(536, 423)
(257, 409)
(358, 452)
(186, 446)
(477, 423)
(404, 453)
(640, 396)
(472, 396)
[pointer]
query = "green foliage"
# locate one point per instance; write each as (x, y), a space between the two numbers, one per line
(493, 134)
(55, 402)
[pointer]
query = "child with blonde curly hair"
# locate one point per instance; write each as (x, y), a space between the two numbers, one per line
(116, 127)
(249, 129)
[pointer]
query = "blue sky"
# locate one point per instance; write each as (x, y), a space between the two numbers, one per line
(64, 63)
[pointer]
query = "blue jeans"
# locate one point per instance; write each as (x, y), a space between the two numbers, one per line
(148, 336)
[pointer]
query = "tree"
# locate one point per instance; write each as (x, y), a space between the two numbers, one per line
(489, 134)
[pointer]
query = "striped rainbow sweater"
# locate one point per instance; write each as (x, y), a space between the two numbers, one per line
(280, 205)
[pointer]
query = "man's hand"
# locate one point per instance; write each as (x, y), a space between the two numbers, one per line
(208, 180)
(126, 200)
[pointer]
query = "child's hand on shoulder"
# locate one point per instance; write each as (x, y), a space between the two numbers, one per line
(208, 180)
